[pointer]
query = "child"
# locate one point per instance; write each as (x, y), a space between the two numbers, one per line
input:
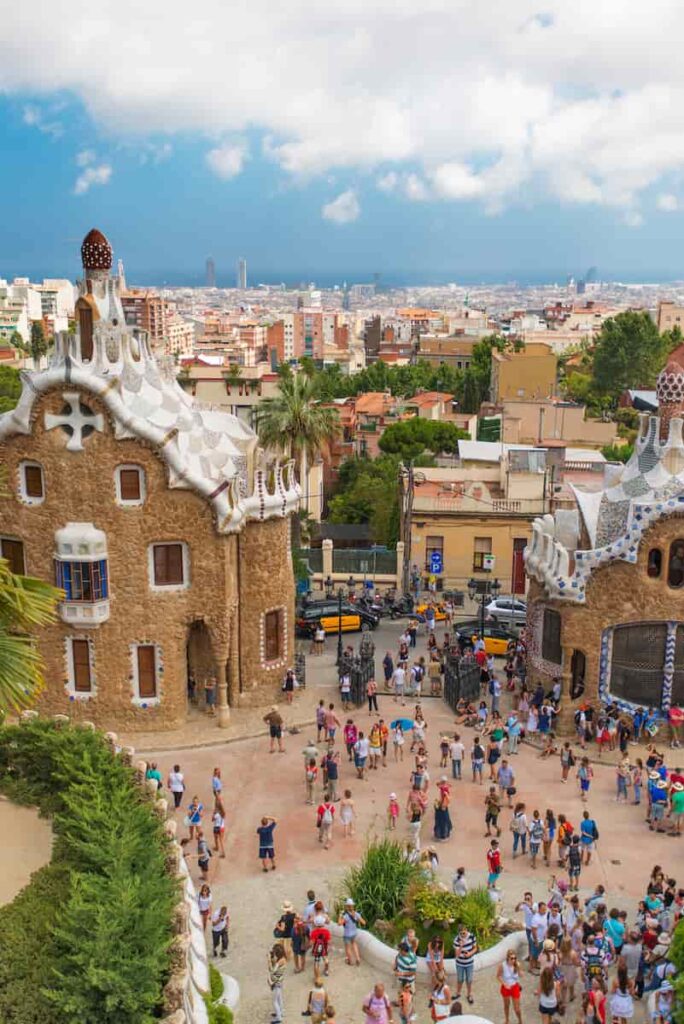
(493, 864)
(392, 812)
(347, 814)
(584, 776)
(407, 1014)
(444, 751)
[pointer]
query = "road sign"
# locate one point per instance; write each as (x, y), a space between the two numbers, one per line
(488, 563)
(436, 562)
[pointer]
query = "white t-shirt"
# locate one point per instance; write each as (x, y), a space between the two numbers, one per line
(456, 750)
(539, 925)
(361, 747)
(399, 677)
(496, 688)
(176, 783)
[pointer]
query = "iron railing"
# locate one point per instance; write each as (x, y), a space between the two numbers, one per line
(360, 667)
(461, 679)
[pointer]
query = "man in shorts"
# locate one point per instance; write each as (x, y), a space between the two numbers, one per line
(492, 810)
(266, 842)
(274, 721)
(465, 948)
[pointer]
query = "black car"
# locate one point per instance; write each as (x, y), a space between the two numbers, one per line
(327, 613)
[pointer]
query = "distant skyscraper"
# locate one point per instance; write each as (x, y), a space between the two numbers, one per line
(211, 272)
(242, 274)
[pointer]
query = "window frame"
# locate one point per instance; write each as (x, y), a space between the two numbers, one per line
(73, 581)
(274, 615)
(72, 688)
(31, 499)
(138, 698)
(655, 575)
(478, 555)
(670, 555)
(128, 467)
(5, 539)
(555, 657)
(185, 563)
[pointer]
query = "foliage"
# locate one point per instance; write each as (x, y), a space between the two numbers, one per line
(216, 1013)
(629, 353)
(368, 492)
(677, 958)
(380, 884)
(215, 983)
(411, 438)
(38, 344)
(25, 603)
(617, 452)
(106, 949)
(10, 388)
(401, 381)
(292, 422)
(434, 911)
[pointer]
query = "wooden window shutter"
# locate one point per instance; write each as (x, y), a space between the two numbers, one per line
(13, 551)
(273, 635)
(33, 481)
(129, 484)
(147, 671)
(81, 659)
(168, 564)
(85, 330)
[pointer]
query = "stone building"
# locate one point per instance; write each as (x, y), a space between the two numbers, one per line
(606, 596)
(162, 521)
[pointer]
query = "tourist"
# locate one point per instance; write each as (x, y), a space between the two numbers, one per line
(549, 835)
(536, 830)
(311, 776)
(347, 814)
(567, 760)
(345, 691)
(415, 808)
(154, 774)
(539, 925)
(405, 964)
(388, 669)
(494, 865)
(443, 751)
(332, 770)
(419, 727)
(204, 905)
(658, 792)
(622, 778)
(203, 855)
(350, 737)
(492, 756)
(398, 680)
(398, 741)
(508, 975)
(361, 749)
(528, 908)
(459, 886)
(274, 721)
(325, 816)
(320, 720)
(216, 782)
(351, 921)
(275, 974)
(565, 830)
(568, 963)
(456, 753)
(434, 957)
(320, 944)
(492, 804)
(506, 780)
(372, 696)
(219, 931)
(549, 995)
(465, 948)
(193, 819)
(300, 942)
(266, 842)
(317, 1002)
(477, 759)
(392, 812)
(574, 863)
(596, 1001)
(332, 722)
(518, 827)
(589, 834)
(514, 729)
(374, 747)
(407, 1014)
(677, 807)
(319, 639)
(218, 827)
(443, 826)
(384, 739)
(176, 785)
(289, 686)
(377, 1006)
(210, 695)
(440, 998)
(637, 780)
(585, 774)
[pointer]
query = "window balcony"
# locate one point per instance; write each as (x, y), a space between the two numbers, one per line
(82, 572)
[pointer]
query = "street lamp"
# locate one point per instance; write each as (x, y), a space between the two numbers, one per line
(339, 626)
(490, 588)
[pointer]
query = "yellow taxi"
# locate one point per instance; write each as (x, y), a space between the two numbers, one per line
(328, 614)
(421, 609)
(496, 639)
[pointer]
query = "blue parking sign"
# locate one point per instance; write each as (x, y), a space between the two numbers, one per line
(436, 562)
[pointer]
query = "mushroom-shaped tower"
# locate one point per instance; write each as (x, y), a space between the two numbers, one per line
(96, 252)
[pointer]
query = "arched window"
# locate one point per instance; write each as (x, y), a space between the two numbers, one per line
(578, 667)
(655, 563)
(85, 330)
(675, 570)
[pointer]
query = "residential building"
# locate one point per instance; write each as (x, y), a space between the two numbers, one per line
(550, 421)
(162, 522)
(529, 373)
(669, 315)
(456, 352)
(169, 333)
(374, 411)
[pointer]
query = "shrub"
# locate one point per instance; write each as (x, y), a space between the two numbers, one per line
(215, 983)
(380, 884)
(217, 1013)
(107, 941)
(445, 913)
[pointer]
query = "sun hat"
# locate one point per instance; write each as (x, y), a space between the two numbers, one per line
(287, 907)
(349, 902)
(654, 775)
(666, 987)
(678, 786)
(393, 796)
(664, 939)
(661, 784)
(549, 944)
(444, 779)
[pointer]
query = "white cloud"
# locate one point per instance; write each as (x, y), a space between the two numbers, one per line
(228, 159)
(667, 202)
(342, 210)
(99, 174)
(532, 108)
(85, 157)
(632, 218)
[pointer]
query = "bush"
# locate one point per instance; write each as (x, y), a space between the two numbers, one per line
(217, 1013)
(432, 911)
(380, 884)
(107, 942)
(215, 983)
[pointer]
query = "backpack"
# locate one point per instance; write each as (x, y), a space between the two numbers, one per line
(491, 687)
(310, 774)
(326, 817)
(567, 833)
(596, 831)
(319, 948)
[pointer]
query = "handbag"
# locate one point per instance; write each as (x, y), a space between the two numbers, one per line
(511, 791)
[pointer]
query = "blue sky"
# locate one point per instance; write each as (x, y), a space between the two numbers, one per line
(330, 144)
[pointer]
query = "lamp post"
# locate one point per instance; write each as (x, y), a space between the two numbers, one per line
(339, 627)
(491, 587)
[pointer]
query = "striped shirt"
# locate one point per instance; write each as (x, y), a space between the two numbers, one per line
(464, 949)
(405, 966)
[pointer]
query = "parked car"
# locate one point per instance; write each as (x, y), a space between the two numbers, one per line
(507, 609)
(496, 638)
(354, 618)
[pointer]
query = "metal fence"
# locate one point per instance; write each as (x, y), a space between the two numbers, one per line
(360, 667)
(461, 679)
(313, 557)
(365, 561)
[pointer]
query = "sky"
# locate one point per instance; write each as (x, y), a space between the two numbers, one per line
(449, 140)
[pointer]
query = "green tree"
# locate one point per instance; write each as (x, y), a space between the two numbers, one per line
(617, 452)
(39, 343)
(10, 388)
(629, 353)
(368, 492)
(25, 604)
(677, 957)
(411, 438)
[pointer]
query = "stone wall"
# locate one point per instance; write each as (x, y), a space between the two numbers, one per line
(266, 584)
(79, 487)
(616, 593)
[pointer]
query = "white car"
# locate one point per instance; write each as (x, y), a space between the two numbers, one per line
(507, 609)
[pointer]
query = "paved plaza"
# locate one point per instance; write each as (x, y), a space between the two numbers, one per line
(259, 783)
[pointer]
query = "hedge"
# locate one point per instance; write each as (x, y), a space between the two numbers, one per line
(88, 939)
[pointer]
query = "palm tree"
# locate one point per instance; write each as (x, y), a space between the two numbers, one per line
(25, 603)
(295, 423)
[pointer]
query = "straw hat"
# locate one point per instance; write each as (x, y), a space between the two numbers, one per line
(653, 775)
(677, 787)
(287, 907)
(661, 784)
(664, 939)
(549, 945)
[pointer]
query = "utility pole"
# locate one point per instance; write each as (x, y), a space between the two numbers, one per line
(406, 491)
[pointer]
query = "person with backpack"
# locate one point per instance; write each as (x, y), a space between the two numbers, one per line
(320, 944)
(589, 834)
(565, 831)
(325, 816)
(203, 855)
(477, 759)
(377, 1007)
(536, 830)
(574, 863)
(351, 921)
(567, 760)
(277, 963)
(317, 1003)
(585, 774)
(518, 827)
(494, 865)
(311, 776)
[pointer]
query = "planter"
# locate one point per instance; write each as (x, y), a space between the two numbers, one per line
(380, 955)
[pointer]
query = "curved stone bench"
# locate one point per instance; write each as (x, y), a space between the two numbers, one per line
(382, 956)
(231, 991)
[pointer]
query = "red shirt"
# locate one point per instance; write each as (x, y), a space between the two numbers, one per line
(494, 861)
(481, 658)
(320, 940)
(324, 807)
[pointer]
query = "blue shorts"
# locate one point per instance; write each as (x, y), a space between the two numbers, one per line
(464, 974)
(492, 877)
(584, 785)
(266, 852)
(359, 762)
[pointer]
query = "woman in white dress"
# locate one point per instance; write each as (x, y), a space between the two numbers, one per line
(621, 999)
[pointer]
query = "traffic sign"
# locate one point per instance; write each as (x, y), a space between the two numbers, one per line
(436, 562)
